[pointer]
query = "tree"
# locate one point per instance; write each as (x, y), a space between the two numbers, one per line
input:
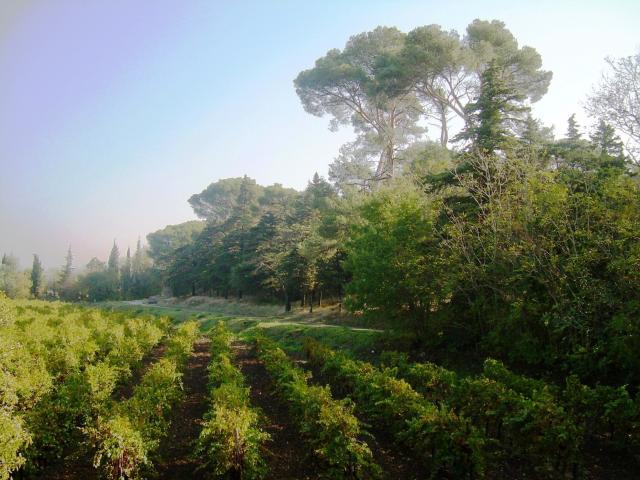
(137, 265)
(446, 71)
(126, 275)
(13, 282)
(573, 130)
(617, 100)
(433, 63)
(36, 276)
(604, 138)
(95, 265)
(113, 264)
(217, 202)
(390, 254)
(489, 118)
(163, 242)
(67, 269)
(65, 284)
(354, 169)
(241, 220)
(343, 84)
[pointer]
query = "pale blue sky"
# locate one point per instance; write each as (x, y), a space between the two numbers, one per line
(112, 113)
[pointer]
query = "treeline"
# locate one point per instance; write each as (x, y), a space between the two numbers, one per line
(118, 279)
(133, 277)
(500, 239)
(267, 242)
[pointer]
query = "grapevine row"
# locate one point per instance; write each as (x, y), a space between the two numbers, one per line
(57, 363)
(447, 443)
(231, 439)
(126, 434)
(327, 425)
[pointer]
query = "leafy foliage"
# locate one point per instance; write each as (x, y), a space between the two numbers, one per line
(126, 434)
(59, 365)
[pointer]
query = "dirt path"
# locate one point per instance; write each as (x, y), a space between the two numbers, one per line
(286, 455)
(176, 450)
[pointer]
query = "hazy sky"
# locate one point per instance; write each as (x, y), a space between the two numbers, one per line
(112, 113)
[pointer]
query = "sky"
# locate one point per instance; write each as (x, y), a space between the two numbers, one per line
(113, 113)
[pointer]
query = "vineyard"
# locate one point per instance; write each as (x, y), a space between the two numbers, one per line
(97, 394)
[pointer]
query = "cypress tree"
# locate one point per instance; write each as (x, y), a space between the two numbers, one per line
(497, 104)
(573, 132)
(113, 265)
(605, 139)
(36, 276)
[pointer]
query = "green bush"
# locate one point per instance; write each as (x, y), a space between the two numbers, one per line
(606, 413)
(122, 450)
(13, 440)
(230, 439)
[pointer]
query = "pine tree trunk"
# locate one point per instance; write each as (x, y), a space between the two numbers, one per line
(287, 302)
(320, 299)
(311, 302)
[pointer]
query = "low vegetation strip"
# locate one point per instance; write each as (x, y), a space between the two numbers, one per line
(127, 433)
(231, 438)
(328, 425)
(57, 365)
(447, 443)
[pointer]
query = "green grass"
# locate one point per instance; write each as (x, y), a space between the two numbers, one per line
(247, 320)
(359, 342)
